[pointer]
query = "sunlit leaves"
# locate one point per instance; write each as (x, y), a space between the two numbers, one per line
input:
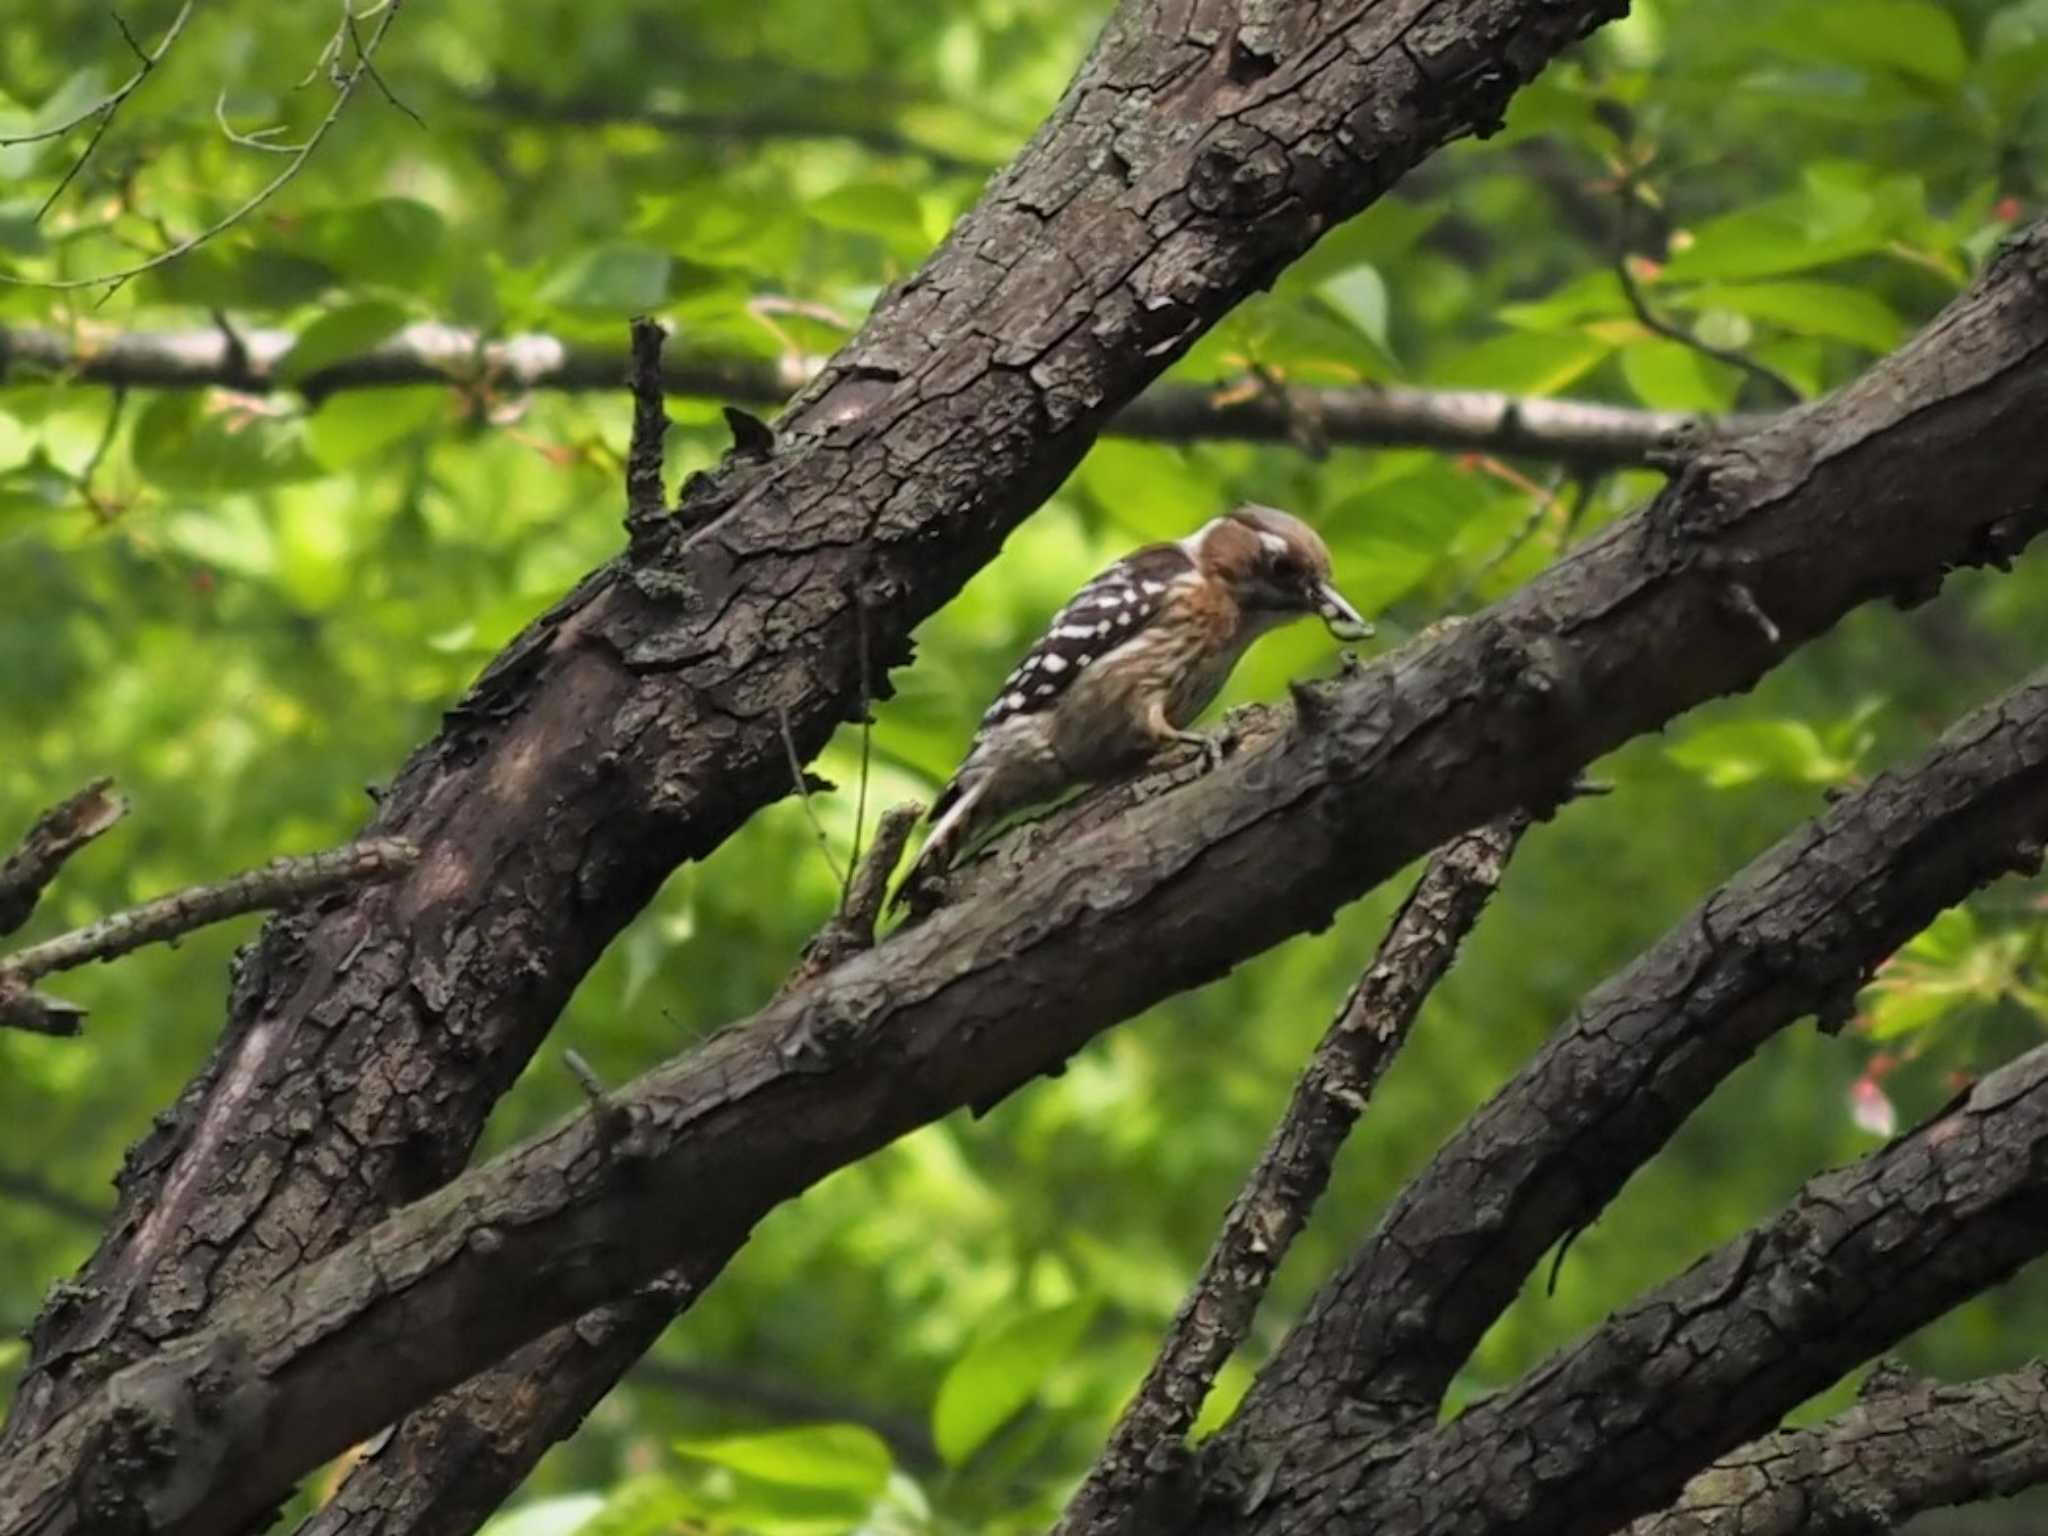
(1002, 1372)
(616, 278)
(1735, 752)
(341, 332)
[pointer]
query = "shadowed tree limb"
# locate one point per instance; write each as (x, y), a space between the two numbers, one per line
(1146, 1449)
(1866, 1471)
(1797, 932)
(1586, 432)
(1616, 1424)
(450, 1464)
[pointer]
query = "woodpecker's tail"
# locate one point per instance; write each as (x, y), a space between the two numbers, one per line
(954, 809)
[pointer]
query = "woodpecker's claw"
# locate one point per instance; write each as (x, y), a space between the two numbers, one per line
(1212, 748)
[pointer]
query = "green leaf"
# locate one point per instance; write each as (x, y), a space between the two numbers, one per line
(619, 278)
(1360, 296)
(1947, 940)
(874, 208)
(352, 425)
(1384, 232)
(1767, 240)
(1807, 309)
(1743, 751)
(223, 277)
(392, 242)
(1670, 376)
(1522, 362)
(1002, 1372)
(181, 446)
(564, 1516)
(340, 333)
(844, 1458)
(1912, 37)
(336, 334)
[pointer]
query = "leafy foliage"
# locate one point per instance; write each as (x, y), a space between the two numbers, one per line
(249, 608)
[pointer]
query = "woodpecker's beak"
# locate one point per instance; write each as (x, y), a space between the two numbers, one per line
(1344, 621)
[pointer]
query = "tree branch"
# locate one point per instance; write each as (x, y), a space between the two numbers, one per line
(635, 725)
(1584, 432)
(1615, 1425)
(1796, 932)
(282, 882)
(451, 1463)
(1866, 1472)
(1145, 1449)
(58, 833)
(277, 884)
(987, 992)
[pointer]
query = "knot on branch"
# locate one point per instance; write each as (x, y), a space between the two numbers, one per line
(1239, 173)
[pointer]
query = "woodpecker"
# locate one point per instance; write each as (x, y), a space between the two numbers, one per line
(1132, 658)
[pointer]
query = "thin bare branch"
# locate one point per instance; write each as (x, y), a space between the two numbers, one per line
(1656, 323)
(644, 498)
(1146, 1448)
(1585, 433)
(278, 884)
(58, 833)
(109, 104)
(345, 87)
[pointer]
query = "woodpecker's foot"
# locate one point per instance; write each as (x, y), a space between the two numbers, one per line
(1212, 748)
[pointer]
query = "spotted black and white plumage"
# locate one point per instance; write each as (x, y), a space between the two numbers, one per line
(1111, 609)
(1130, 661)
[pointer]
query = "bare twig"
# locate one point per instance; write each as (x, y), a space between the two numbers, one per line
(1543, 506)
(355, 37)
(867, 752)
(345, 83)
(852, 928)
(1652, 321)
(58, 833)
(1584, 433)
(281, 882)
(1146, 1448)
(644, 500)
(803, 790)
(105, 108)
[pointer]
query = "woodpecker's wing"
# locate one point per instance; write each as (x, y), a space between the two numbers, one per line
(1110, 610)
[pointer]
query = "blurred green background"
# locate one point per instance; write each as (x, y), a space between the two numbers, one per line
(248, 610)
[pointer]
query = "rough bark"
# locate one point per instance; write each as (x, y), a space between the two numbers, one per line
(1199, 150)
(987, 992)
(1146, 1448)
(1867, 1471)
(1584, 432)
(1614, 1426)
(447, 1466)
(1796, 933)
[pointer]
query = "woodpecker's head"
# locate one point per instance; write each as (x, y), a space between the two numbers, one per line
(1277, 566)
